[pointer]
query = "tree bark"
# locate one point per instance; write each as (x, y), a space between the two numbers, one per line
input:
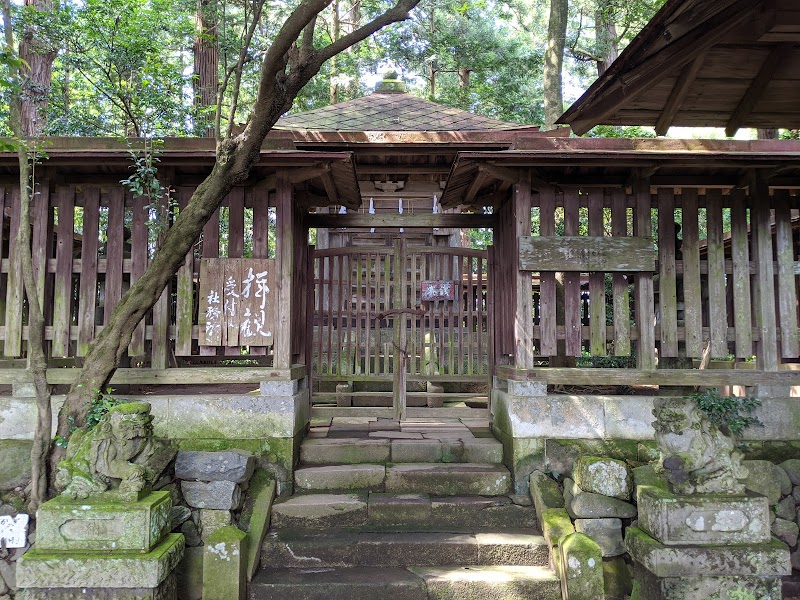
(22, 120)
(286, 67)
(39, 54)
(606, 36)
(206, 67)
(553, 63)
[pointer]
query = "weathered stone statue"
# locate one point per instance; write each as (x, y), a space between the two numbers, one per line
(118, 457)
(696, 457)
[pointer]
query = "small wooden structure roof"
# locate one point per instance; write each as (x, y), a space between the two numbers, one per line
(393, 111)
(477, 177)
(716, 63)
(320, 178)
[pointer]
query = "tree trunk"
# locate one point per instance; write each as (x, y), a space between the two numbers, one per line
(606, 36)
(39, 54)
(336, 32)
(286, 67)
(37, 363)
(463, 78)
(206, 67)
(768, 134)
(553, 63)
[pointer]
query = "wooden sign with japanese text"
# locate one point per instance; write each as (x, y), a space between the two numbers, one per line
(237, 304)
(431, 291)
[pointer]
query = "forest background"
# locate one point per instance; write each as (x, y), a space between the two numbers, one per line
(157, 68)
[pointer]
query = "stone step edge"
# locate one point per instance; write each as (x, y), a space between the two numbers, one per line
(287, 534)
(265, 576)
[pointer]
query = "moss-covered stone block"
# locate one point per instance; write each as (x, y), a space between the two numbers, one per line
(225, 564)
(65, 524)
(603, 475)
(582, 568)
(562, 453)
(545, 493)
(255, 516)
(15, 464)
(39, 568)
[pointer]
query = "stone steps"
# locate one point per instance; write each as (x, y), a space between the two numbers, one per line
(418, 583)
(289, 548)
(382, 450)
(382, 511)
(441, 479)
(412, 510)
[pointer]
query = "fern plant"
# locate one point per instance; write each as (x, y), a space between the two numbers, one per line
(731, 414)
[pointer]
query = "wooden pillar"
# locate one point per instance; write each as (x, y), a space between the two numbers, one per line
(767, 358)
(645, 301)
(284, 255)
(523, 312)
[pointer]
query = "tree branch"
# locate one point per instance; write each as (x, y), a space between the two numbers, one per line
(399, 12)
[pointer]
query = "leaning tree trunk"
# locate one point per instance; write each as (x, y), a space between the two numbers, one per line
(286, 67)
(553, 62)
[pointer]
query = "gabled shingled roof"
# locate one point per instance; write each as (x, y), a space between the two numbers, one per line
(392, 111)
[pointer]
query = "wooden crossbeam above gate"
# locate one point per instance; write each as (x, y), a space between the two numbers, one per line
(397, 220)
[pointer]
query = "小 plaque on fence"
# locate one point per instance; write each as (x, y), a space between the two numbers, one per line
(237, 303)
(586, 254)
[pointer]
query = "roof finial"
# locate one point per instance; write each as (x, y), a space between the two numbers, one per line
(391, 84)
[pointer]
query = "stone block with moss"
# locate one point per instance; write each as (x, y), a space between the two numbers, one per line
(581, 568)
(256, 515)
(41, 569)
(224, 565)
(545, 493)
(67, 524)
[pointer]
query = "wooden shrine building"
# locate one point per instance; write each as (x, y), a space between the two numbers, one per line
(623, 252)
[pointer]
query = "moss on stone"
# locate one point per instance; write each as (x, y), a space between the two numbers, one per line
(15, 463)
(582, 565)
(617, 578)
(556, 524)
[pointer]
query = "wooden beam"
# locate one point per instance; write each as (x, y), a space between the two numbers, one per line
(475, 187)
(767, 358)
(758, 86)
(673, 56)
(285, 261)
(301, 175)
(678, 95)
(523, 314)
(457, 221)
(330, 188)
(502, 173)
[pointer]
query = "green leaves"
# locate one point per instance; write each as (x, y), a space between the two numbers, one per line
(730, 413)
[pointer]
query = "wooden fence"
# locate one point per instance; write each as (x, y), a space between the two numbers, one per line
(92, 242)
(726, 275)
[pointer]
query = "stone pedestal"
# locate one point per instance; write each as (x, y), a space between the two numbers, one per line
(713, 546)
(98, 549)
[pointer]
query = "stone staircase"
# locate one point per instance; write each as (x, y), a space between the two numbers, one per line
(415, 510)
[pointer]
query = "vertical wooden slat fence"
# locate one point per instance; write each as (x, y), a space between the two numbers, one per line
(90, 243)
(709, 243)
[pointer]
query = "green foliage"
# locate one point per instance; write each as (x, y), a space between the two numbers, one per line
(97, 408)
(730, 413)
(616, 131)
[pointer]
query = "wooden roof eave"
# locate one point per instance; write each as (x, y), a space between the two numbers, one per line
(704, 156)
(673, 39)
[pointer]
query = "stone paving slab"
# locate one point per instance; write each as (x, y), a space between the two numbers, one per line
(396, 435)
(284, 548)
(362, 583)
(340, 477)
(327, 451)
(490, 583)
(321, 510)
(449, 479)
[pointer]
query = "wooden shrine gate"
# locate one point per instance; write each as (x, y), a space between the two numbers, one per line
(399, 315)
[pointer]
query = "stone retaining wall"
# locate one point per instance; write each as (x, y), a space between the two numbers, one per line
(548, 432)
